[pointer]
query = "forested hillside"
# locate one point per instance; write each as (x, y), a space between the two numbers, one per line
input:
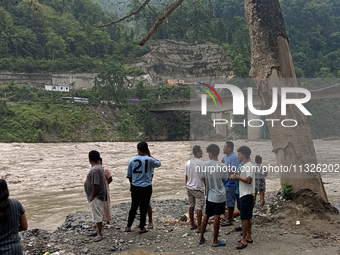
(50, 36)
(313, 28)
(47, 36)
(60, 35)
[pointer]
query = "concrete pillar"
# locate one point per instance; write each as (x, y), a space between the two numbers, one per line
(221, 130)
(254, 133)
(230, 117)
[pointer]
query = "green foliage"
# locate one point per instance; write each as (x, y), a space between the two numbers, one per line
(180, 127)
(134, 71)
(286, 191)
(4, 110)
(29, 123)
(43, 122)
(140, 90)
(51, 36)
(110, 82)
(54, 35)
(312, 25)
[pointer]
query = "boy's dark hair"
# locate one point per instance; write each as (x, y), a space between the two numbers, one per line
(143, 147)
(196, 149)
(213, 149)
(101, 160)
(245, 150)
(94, 156)
(230, 145)
(258, 159)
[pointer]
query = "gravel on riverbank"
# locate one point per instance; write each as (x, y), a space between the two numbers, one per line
(273, 233)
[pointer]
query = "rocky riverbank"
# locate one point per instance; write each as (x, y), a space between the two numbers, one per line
(274, 232)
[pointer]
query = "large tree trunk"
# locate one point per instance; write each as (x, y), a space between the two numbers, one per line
(271, 58)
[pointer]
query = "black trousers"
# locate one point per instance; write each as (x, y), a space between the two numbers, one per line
(140, 195)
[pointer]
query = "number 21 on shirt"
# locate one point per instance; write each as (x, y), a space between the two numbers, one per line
(138, 169)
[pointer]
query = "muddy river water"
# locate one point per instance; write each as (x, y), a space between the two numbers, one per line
(48, 178)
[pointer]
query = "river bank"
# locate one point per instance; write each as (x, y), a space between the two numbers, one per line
(48, 178)
(274, 232)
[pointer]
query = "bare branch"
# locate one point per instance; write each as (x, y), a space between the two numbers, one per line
(160, 20)
(167, 23)
(127, 16)
(152, 10)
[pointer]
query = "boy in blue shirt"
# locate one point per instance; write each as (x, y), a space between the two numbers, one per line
(140, 177)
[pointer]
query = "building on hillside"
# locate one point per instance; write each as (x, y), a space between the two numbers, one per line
(176, 82)
(133, 101)
(58, 87)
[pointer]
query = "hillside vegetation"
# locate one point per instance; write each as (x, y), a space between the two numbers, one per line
(33, 115)
(50, 36)
(57, 35)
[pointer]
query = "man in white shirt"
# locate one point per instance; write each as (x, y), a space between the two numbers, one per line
(214, 173)
(247, 189)
(195, 188)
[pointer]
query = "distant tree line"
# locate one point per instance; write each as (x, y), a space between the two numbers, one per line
(47, 35)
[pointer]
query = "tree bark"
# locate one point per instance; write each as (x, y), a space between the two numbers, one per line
(272, 66)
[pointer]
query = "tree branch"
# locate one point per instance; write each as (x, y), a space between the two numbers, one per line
(168, 23)
(152, 10)
(160, 20)
(127, 16)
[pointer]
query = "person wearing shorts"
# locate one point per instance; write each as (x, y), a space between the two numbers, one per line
(231, 160)
(213, 173)
(95, 189)
(246, 189)
(195, 188)
(260, 181)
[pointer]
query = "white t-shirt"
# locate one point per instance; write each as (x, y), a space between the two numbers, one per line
(247, 170)
(194, 177)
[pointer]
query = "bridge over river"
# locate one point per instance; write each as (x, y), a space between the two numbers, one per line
(225, 111)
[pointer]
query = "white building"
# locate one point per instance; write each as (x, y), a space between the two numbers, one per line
(58, 87)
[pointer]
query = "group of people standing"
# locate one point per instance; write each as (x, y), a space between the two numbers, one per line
(233, 180)
(140, 174)
(238, 184)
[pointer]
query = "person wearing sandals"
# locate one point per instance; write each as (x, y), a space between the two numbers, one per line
(95, 190)
(237, 194)
(150, 225)
(232, 162)
(140, 177)
(260, 181)
(107, 205)
(195, 188)
(214, 173)
(247, 189)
